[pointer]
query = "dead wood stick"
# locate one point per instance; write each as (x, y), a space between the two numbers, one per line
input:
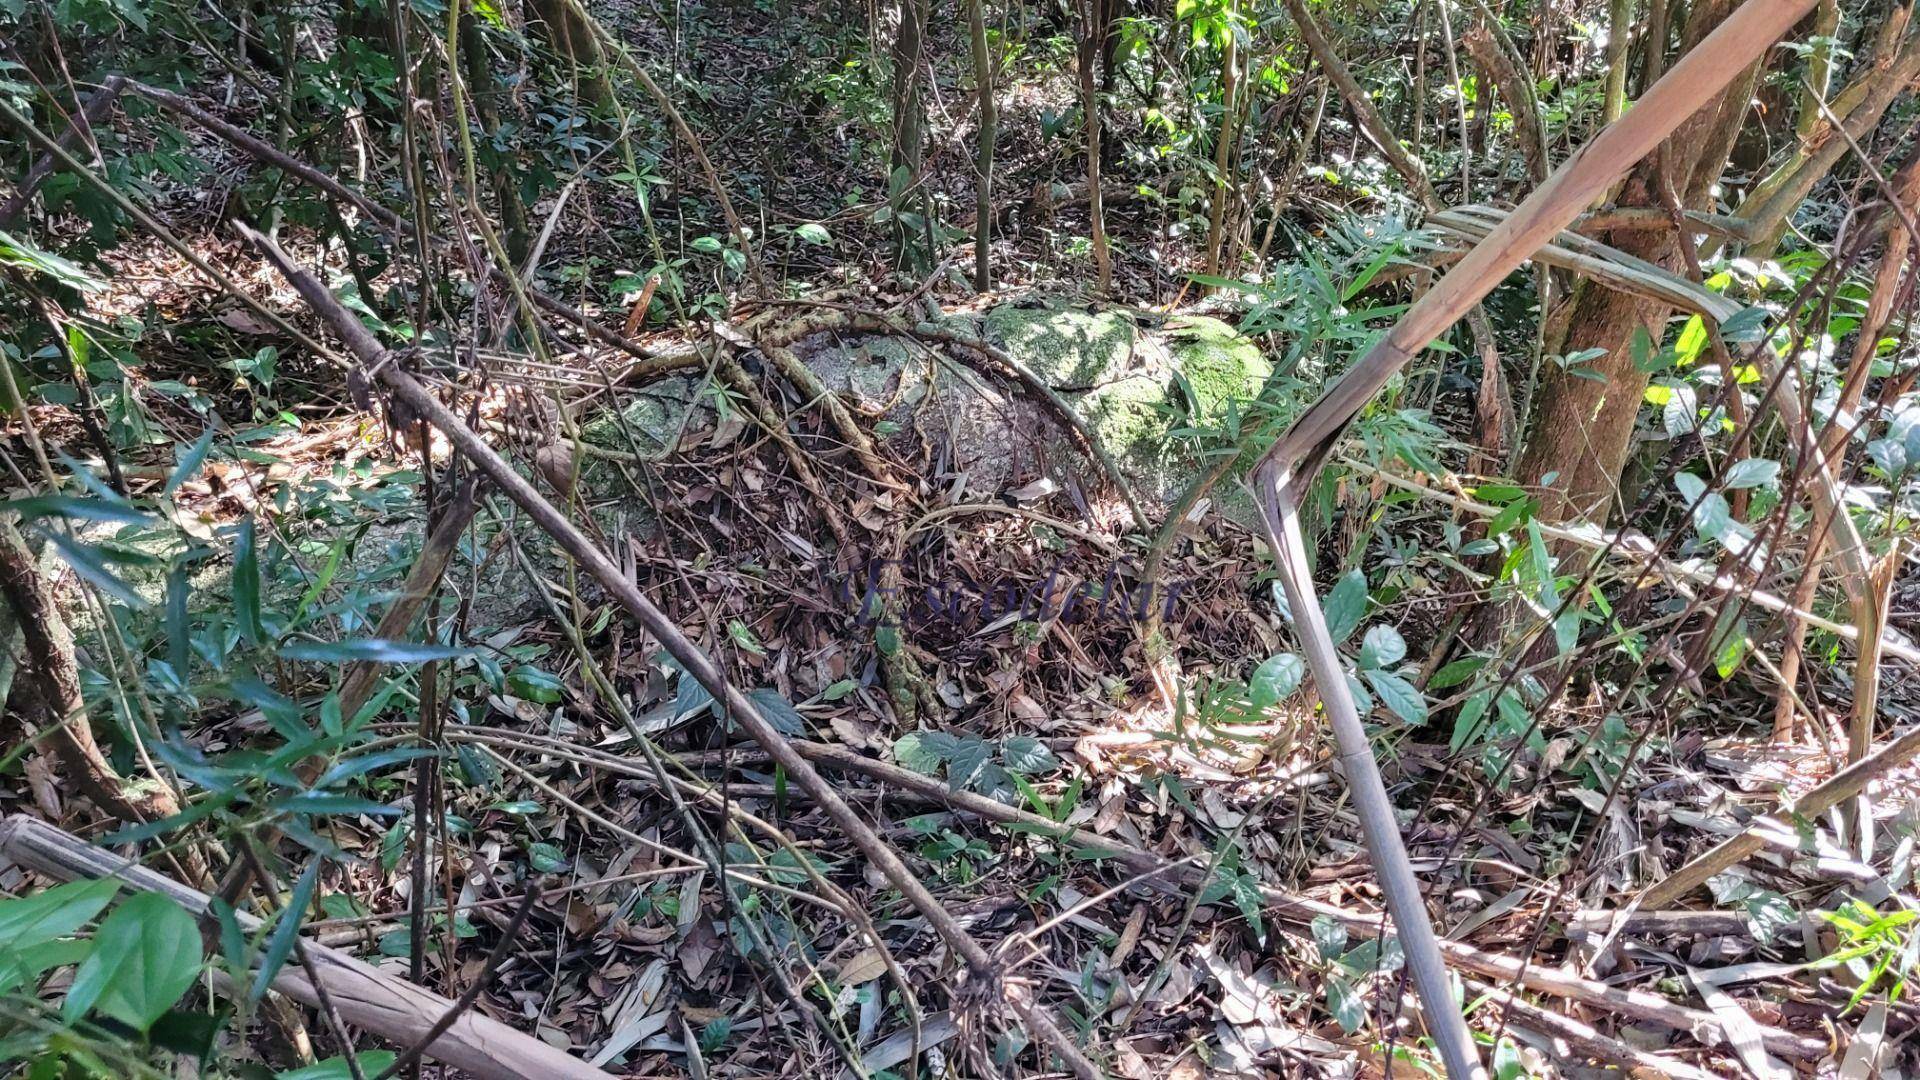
(90, 115)
(1302, 911)
(1818, 799)
(365, 996)
(692, 659)
(431, 564)
(1585, 1039)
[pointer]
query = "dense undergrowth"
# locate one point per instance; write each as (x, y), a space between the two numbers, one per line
(915, 423)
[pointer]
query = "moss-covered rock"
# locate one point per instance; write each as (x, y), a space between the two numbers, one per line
(651, 422)
(1218, 363)
(1072, 348)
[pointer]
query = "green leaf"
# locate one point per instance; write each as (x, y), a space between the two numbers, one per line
(68, 506)
(530, 683)
(286, 931)
(778, 711)
(1346, 605)
(372, 1063)
(87, 561)
(546, 858)
(17, 252)
(839, 690)
(706, 245)
(1752, 472)
(691, 698)
(1329, 938)
(1382, 647)
(189, 462)
(380, 650)
(813, 233)
(914, 751)
(246, 583)
(1275, 679)
(1345, 1003)
(145, 957)
(53, 913)
(1026, 754)
(1398, 695)
(966, 761)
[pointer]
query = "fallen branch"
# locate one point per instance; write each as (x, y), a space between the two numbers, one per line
(365, 996)
(1817, 800)
(981, 966)
(1585, 1039)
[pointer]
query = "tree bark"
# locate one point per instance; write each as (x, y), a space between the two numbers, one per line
(574, 42)
(1092, 35)
(983, 162)
(46, 693)
(1582, 427)
(909, 137)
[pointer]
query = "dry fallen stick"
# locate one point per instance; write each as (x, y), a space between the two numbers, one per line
(1822, 797)
(366, 997)
(1537, 978)
(692, 659)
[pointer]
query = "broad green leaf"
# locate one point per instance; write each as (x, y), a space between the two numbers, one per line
(547, 858)
(778, 711)
(813, 233)
(146, 955)
(52, 913)
(1026, 754)
(17, 252)
(1398, 695)
(1382, 647)
(1275, 679)
(690, 698)
(1346, 605)
(1752, 472)
(912, 751)
(530, 683)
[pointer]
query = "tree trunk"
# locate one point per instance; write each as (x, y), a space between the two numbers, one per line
(482, 88)
(905, 185)
(575, 44)
(1092, 35)
(983, 162)
(1223, 184)
(1582, 427)
(46, 693)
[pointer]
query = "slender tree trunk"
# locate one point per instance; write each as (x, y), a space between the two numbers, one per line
(912, 211)
(1619, 36)
(1093, 34)
(575, 43)
(481, 87)
(1223, 146)
(983, 162)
